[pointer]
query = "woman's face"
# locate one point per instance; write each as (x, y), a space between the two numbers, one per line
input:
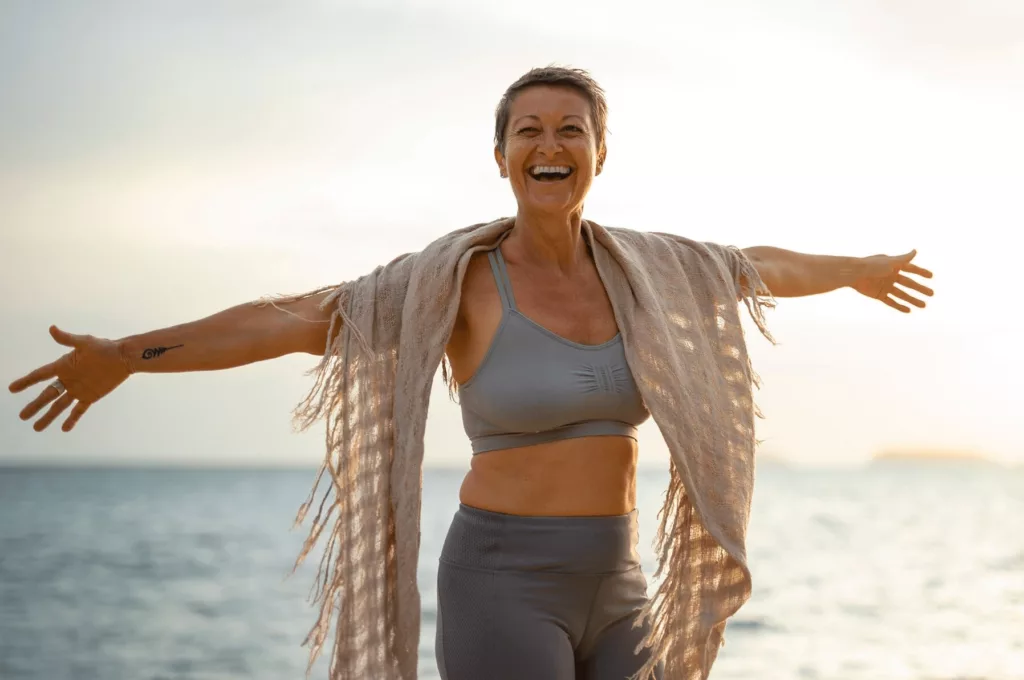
(551, 150)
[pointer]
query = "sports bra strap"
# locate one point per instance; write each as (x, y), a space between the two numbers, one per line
(501, 278)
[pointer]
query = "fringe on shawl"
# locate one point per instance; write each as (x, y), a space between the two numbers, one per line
(322, 401)
(681, 635)
(449, 379)
(757, 298)
(752, 291)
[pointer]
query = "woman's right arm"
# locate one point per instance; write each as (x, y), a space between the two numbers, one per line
(237, 336)
(241, 335)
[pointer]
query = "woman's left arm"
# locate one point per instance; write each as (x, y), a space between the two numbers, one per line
(881, 277)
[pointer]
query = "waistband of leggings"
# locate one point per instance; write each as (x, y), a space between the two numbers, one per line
(484, 539)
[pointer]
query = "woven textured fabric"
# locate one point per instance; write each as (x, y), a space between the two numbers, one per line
(676, 304)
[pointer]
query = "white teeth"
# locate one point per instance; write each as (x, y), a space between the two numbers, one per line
(552, 169)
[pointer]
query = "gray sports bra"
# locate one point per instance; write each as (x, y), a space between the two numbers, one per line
(534, 386)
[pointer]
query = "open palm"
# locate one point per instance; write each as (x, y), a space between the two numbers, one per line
(888, 278)
(90, 371)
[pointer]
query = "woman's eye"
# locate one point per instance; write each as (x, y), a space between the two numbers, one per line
(530, 130)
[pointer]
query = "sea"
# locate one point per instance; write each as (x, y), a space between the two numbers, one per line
(894, 571)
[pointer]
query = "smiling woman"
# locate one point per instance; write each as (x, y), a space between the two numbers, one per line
(561, 337)
(546, 135)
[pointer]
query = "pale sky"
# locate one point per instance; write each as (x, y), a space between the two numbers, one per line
(159, 162)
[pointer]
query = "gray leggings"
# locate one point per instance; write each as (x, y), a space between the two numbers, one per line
(539, 598)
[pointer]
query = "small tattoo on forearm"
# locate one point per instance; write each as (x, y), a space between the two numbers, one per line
(154, 352)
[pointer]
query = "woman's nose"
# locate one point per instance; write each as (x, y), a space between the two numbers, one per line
(550, 144)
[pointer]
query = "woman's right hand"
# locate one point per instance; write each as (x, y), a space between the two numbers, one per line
(89, 372)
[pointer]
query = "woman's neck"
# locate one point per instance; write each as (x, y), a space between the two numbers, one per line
(555, 240)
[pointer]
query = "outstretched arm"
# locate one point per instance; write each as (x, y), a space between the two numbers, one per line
(93, 367)
(240, 335)
(882, 277)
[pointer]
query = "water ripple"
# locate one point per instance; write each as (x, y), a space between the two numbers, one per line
(128, 575)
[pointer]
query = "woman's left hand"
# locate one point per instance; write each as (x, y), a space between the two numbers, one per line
(888, 278)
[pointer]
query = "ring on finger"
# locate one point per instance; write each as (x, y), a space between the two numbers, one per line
(59, 386)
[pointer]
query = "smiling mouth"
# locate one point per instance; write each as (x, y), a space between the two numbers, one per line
(550, 173)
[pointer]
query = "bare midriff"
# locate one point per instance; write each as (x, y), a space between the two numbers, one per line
(588, 476)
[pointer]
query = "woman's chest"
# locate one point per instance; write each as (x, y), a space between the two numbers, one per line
(581, 314)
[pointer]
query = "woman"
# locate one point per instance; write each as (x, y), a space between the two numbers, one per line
(551, 335)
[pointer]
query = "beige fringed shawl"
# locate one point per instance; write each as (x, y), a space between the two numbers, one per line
(675, 302)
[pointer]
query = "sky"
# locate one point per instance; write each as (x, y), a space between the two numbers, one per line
(162, 161)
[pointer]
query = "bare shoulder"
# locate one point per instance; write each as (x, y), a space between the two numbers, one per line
(478, 272)
(479, 292)
(478, 316)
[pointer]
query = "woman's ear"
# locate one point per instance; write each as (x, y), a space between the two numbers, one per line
(499, 158)
(601, 155)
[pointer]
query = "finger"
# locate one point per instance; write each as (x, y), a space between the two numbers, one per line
(914, 269)
(914, 285)
(76, 413)
(40, 374)
(55, 410)
(895, 305)
(904, 295)
(45, 397)
(67, 339)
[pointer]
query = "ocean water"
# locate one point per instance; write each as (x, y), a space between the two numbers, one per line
(889, 572)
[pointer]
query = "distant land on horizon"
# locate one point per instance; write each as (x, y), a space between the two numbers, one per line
(931, 456)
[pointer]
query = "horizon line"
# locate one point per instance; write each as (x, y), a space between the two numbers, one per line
(25, 465)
